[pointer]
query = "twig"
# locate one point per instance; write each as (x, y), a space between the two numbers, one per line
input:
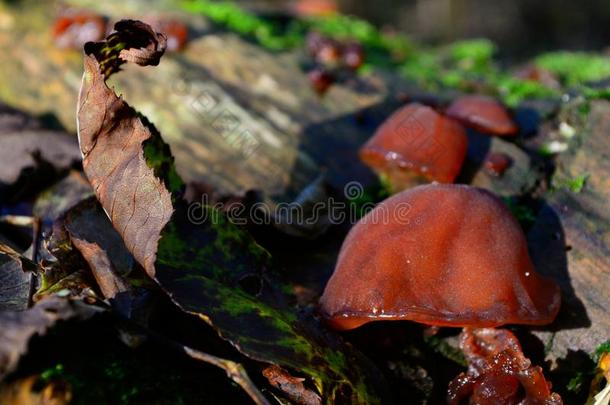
(235, 372)
(18, 220)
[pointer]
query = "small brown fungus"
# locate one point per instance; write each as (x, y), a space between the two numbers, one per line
(483, 114)
(496, 163)
(498, 372)
(438, 254)
(353, 55)
(73, 28)
(176, 32)
(315, 8)
(329, 53)
(538, 74)
(416, 142)
(320, 80)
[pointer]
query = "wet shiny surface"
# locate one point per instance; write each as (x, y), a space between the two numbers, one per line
(447, 255)
(484, 114)
(498, 372)
(417, 140)
(497, 163)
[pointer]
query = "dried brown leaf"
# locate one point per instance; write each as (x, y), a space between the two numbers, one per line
(112, 135)
(214, 270)
(100, 245)
(293, 387)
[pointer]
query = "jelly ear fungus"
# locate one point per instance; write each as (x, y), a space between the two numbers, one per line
(414, 145)
(442, 255)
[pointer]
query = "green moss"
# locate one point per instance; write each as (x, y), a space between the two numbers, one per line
(602, 349)
(513, 91)
(576, 68)
(336, 359)
(344, 27)
(581, 379)
(455, 66)
(423, 68)
(173, 251)
(215, 248)
(573, 184)
(229, 236)
(367, 200)
(159, 158)
(443, 348)
(474, 54)
(51, 373)
(382, 49)
(232, 17)
(264, 331)
(594, 94)
(524, 214)
(459, 65)
(578, 381)
(128, 379)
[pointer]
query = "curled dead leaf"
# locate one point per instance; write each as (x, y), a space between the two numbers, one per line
(213, 270)
(112, 137)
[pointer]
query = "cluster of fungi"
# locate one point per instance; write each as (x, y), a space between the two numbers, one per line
(436, 253)
(444, 254)
(333, 60)
(419, 143)
(73, 28)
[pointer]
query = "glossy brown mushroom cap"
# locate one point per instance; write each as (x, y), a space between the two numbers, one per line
(484, 114)
(416, 140)
(446, 255)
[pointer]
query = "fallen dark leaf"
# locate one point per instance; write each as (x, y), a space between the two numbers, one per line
(58, 258)
(212, 270)
(101, 246)
(63, 268)
(78, 284)
(19, 327)
(25, 151)
(60, 197)
(13, 120)
(15, 280)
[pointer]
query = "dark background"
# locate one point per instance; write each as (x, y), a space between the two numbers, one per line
(521, 28)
